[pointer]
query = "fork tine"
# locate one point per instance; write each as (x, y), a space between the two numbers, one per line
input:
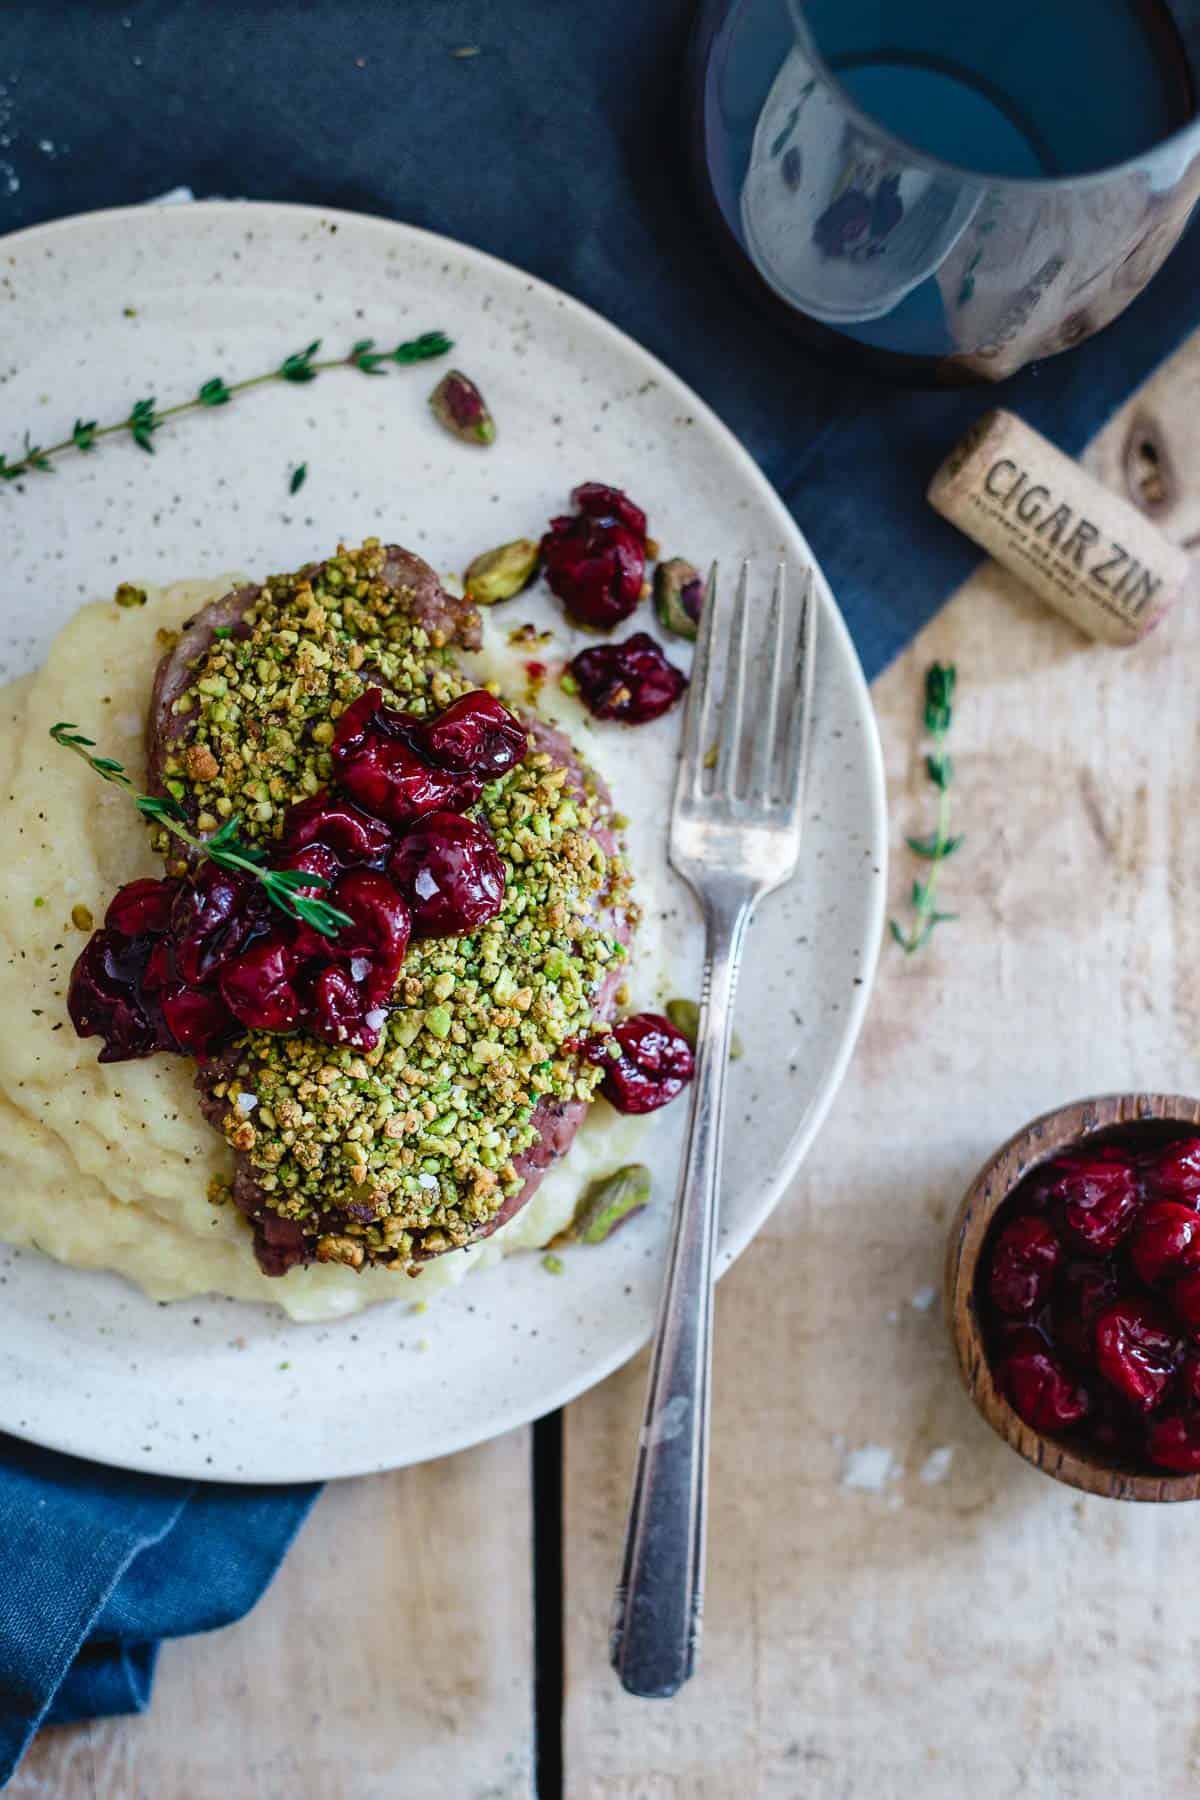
(798, 726)
(697, 722)
(763, 756)
(733, 697)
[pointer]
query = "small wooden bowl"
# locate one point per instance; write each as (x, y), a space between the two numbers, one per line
(1162, 1116)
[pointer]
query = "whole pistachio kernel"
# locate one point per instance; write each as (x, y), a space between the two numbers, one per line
(678, 593)
(608, 1201)
(458, 405)
(501, 574)
(685, 1017)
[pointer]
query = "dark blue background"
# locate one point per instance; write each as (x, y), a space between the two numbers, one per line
(558, 146)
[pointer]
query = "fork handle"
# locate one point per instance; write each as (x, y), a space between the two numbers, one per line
(660, 1594)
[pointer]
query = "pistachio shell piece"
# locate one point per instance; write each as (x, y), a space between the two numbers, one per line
(678, 593)
(501, 573)
(685, 1016)
(609, 1200)
(457, 404)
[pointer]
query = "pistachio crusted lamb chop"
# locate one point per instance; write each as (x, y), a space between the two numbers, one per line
(440, 1131)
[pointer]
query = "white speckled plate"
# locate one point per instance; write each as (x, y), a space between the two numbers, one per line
(96, 312)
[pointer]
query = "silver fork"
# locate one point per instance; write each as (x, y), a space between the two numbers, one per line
(735, 835)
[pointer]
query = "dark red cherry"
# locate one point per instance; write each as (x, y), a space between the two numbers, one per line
(1137, 1349)
(1172, 1171)
(1024, 1259)
(366, 718)
(317, 860)
(599, 501)
(1185, 1302)
(259, 986)
(475, 735)
(653, 1064)
(372, 947)
(1096, 1195)
(1165, 1242)
(141, 906)
(340, 1012)
(198, 1020)
(451, 874)
(1082, 1291)
(632, 681)
(390, 780)
(1038, 1387)
(352, 836)
(597, 569)
(331, 821)
(105, 997)
(214, 917)
(1173, 1442)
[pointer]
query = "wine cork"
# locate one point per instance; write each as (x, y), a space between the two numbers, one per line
(1087, 552)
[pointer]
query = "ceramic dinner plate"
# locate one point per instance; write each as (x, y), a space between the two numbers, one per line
(102, 310)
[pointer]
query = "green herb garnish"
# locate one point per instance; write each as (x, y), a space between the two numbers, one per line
(146, 417)
(299, 477)
(934, 849)
(224, 847)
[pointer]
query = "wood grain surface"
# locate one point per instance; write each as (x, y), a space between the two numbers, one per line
(897, 1604)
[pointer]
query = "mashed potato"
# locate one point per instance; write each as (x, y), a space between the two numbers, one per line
(107, 1166)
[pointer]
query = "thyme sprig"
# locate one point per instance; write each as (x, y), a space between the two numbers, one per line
(146, 417)
(934, 849)
(225, 848)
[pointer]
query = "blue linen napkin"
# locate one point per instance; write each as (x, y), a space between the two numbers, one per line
(100, 1565)
(554, 147)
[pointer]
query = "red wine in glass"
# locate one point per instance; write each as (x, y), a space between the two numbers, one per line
(947, 191)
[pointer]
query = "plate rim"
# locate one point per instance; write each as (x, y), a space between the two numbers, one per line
(832, 620)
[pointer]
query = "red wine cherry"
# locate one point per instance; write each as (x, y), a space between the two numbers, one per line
(653, 1064)
(450, 873)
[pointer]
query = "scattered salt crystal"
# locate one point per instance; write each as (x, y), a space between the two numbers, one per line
(246, 1103)
(869, 1468)
(427, 1181)
(374, 1019)
(360, 968)
(936, 1466)
(923, 1299)
(892, 1316)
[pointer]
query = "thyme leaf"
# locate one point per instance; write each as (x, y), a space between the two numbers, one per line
(146, 417)
(939, 844)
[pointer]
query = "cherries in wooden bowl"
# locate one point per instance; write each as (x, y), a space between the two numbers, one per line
(1073, 1282)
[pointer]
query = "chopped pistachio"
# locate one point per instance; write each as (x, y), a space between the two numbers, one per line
(128, 595)
(553, 1265)
(81, 917)
(439, 1021)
